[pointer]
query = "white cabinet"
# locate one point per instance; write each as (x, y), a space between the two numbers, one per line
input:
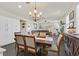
(7, 28)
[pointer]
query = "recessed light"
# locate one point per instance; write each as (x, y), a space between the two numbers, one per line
(19, 6)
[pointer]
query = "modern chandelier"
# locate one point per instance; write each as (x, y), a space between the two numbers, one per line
(35, 15)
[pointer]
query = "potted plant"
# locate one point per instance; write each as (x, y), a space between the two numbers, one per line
(61, 26)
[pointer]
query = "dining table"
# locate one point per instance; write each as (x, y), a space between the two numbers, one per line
(44, 42)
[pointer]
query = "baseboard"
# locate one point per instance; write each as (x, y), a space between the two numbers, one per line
(8, 44)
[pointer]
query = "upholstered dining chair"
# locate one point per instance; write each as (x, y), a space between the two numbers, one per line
(35, 34)
(42, 34)
(31, 45)
(17, 33)
(56, 47)
(19, 43)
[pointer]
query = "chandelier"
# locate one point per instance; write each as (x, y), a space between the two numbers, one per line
(35, 15)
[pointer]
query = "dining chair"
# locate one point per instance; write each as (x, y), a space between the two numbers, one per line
(56, 47)
(17, 33)
(42, 34)
(19, 43)
(35, 34)
(30, 45)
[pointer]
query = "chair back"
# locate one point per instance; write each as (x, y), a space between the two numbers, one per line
(29, 41)
(59, 40)
(17, 33)
(42, 34)
(35, 33)
(19, 39)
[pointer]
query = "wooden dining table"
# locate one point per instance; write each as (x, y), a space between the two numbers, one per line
(43, 43)
(41, 40)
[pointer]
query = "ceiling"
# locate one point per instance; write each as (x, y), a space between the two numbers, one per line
(50, 10)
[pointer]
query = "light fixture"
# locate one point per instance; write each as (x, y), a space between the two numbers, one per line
(35, 15)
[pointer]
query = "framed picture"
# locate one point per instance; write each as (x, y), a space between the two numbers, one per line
(71, 15)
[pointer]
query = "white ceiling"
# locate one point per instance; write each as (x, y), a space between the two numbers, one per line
(50, 10)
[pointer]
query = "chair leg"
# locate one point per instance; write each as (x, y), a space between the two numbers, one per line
(35, 54)
(26, 52)
(58, 53)
(46, 53)
(17, 51)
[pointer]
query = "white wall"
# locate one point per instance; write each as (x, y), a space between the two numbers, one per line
(7, 28)
(77, 19)
(66, 24)
(51, 25)
(29, 26)
(8, 25)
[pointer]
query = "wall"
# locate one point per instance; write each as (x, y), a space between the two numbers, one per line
(66, 24)
(50, 25)
(28, 27)
(77, 19)
(8, 25)
(73, 8)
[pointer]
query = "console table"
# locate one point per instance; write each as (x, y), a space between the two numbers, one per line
(71, 43)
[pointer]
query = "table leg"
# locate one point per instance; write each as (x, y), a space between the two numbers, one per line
(43, 52)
